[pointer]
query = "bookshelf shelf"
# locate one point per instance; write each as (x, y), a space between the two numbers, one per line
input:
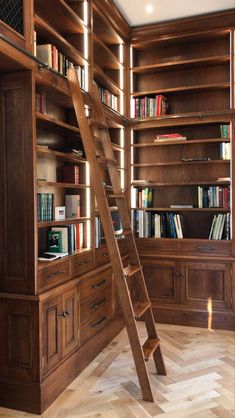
(62, 155)
(61, 185)
(196, 62)
(158, 209)
(104, 79)
(110, 60)
(47, 122)
(183, 143)
(48, 34)
(184, 89)
(186, 183)
(66, 221)
(180, 163)
(63, 18)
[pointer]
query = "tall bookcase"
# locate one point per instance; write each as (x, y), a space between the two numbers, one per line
(185, 92)
(57, 316)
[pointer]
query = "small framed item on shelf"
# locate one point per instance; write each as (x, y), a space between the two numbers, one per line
(59, 213)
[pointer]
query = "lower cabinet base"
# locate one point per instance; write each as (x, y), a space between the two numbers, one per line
(195, 318)
(36, 398)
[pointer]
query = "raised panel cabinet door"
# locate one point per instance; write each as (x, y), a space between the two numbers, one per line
(162, 280)
(201, 281)
(52, 315)
(70, 321)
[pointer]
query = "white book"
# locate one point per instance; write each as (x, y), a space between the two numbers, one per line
(216, 227)
(220, 233)
(157, 226)
(212, 226)
(180, 235)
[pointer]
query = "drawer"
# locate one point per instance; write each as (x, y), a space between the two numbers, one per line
(96, 323)
(94, 304)
(53, 275)
(207, 248)
(102, 256)
(82, 263)
(155, 245)
(96, 284)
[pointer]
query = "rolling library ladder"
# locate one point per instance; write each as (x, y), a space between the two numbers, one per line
(133, 295)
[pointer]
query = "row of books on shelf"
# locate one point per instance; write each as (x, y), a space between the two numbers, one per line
(214, 197)
(170, 225)
(69, 173)
(149, 106)
(108, 98)
(65, 239)
(157, 225)
(99, 232)
(56, 60)
(142, 198)
(47, 211)
(220, 228)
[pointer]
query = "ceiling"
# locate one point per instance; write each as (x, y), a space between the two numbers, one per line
(135, 13)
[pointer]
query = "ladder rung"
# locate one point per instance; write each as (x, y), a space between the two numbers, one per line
(140, 308)
(127, 232)
(150, 345)
(105, 160)
(131, 269)
(98, 124)
(116, 196)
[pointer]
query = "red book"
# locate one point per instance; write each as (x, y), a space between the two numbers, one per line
(71, 174)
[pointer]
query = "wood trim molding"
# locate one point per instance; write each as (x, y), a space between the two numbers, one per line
(113, 14)
(210, 21)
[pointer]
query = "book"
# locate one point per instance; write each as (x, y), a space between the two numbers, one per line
(72, 206)
(64, 236)
(170, 138)
(48, 256)
(71, 174)
(44, 53)
(54, 241)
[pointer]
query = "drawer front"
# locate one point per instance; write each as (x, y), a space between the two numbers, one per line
(101, 256)
(210, 248)
(96, 323)
(96, 303)
(82, 263)
(96, 284)
(53, 275)
(166, 246)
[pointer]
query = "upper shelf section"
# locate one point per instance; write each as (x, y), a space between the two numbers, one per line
(65, 20)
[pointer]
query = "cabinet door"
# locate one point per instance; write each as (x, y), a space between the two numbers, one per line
(52, 332)
(202, 281)
(162, 280)
(70, 321)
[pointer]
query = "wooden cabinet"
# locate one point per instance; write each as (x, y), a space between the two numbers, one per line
(162, 280)
(59, 327)
(179, 290)
(201, 281)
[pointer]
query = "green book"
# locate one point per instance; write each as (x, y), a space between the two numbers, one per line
(54, 242)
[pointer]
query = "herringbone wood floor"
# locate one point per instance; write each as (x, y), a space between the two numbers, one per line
(199, 382)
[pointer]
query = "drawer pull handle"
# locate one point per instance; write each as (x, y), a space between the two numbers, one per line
(84, 262)
(96, 305)
(206, 249)
(96, 324)
(56, 273)
(94, 286)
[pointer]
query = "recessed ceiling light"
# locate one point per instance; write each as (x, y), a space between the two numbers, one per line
(149, 8)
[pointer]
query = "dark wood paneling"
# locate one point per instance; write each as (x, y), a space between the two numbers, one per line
(17, 191)
(70, 322)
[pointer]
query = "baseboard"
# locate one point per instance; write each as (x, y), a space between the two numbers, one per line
(195, 318)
